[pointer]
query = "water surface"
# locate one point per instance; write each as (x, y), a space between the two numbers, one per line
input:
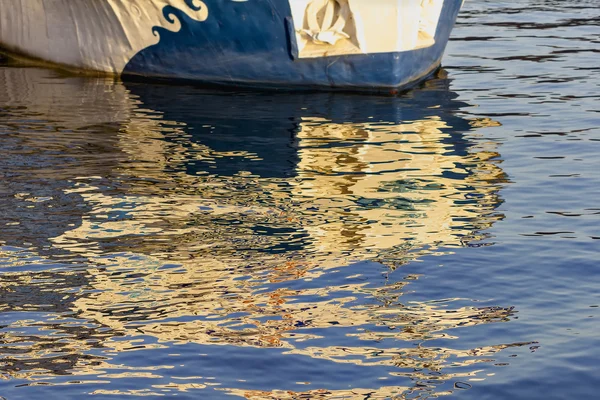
(172, 241)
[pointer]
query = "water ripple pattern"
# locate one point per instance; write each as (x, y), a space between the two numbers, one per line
(162, 241)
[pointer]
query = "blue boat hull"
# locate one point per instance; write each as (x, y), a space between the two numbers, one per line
(252, 44)
(373, 45)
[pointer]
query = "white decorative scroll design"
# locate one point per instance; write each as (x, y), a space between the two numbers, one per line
(325, 27)
(197, 11)
(141, 21)
(326, 20)
(338, 27)
(141, 18)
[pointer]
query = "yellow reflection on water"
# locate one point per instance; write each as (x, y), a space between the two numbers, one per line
(390, 172)
(188, 255)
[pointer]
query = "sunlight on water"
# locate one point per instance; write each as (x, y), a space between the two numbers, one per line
(168, 240)
(237, 220)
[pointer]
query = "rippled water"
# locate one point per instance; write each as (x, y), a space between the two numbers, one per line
(173, 241)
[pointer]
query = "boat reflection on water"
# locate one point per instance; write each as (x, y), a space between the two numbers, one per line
(147, 217)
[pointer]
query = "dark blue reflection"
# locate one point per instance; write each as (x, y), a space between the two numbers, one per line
(265, 124)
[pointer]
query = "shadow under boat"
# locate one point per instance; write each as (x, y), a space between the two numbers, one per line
(267, 125)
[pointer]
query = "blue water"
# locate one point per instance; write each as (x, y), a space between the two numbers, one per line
(178, 242)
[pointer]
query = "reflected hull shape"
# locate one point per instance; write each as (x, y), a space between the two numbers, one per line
(160, 218)
(380, 45)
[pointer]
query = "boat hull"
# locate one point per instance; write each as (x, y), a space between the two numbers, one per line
(251, 43)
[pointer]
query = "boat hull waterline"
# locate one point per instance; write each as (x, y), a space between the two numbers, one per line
(373, 45)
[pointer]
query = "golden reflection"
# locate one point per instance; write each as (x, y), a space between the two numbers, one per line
(403, 169)
(170, 248)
